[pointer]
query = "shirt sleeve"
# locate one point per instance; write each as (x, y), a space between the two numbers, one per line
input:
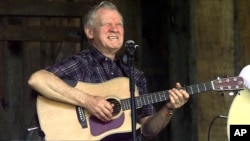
(69, 68)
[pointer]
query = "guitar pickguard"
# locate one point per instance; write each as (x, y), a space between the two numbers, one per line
(98, 127)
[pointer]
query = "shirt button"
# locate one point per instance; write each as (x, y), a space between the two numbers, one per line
(112, 73)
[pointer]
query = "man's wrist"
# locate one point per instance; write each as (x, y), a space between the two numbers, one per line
(167, 111)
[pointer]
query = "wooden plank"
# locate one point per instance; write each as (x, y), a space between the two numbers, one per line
(215, 58)
(3, 105)
(66, 49)
(1, 74)
(13, 88)
(40, 33)
(44, 8)
(244, 27)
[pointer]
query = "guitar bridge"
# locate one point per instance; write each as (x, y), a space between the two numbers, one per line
(81, 117)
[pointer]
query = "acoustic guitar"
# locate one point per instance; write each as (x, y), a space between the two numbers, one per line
(61, 121)
(239, 112)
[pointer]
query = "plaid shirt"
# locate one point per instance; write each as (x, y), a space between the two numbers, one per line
(91, 66)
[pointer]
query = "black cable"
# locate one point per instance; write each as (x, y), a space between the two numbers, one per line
(211, 123)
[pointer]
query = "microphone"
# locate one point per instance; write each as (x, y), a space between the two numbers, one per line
(130, 44)
(131, 47)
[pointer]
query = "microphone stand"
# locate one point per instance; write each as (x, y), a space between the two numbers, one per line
(130, 61)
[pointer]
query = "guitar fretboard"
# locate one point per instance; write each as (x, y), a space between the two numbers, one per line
(160, 96)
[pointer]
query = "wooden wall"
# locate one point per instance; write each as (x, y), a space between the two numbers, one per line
(186, 41)
(221, 40)
(31, 38)
(166, 52)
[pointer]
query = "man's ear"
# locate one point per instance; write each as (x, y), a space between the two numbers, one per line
(88, 32)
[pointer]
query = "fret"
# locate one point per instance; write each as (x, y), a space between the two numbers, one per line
(139, 103)
(155, 98)
(198, 89)
(160, 96)
(202, 87)
(191, 90)
(165, 98)
(210, 86)
(195, 88)
(205, 86)
(152, 99)
(166, 95)
(126, 104)
(148, 99)
(144, 100)
(144, 97)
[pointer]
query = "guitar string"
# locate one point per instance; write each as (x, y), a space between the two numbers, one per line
(200, 88)
(154, 97)
(140, 102)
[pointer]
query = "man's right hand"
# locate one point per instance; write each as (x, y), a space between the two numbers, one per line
(99, 107)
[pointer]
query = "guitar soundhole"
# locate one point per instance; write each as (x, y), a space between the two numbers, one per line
(117, 106)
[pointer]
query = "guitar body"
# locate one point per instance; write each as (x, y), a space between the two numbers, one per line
(238, 113)
(59, 121)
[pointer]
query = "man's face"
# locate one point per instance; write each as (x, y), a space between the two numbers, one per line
(108, 30)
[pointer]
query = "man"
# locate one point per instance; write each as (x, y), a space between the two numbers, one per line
(103, 26)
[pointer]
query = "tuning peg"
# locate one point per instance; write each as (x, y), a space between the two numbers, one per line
(231, 93)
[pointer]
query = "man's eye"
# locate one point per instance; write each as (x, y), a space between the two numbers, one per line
(105, 24)
(120, 24)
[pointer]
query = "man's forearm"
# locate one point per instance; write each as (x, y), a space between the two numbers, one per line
(157, 122)
(50, 86)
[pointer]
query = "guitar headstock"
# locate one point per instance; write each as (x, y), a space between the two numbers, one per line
(228, 84)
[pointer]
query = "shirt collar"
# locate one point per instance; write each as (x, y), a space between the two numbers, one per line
(98, 56)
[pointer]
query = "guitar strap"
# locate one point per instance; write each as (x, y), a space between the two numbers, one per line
(34, 132)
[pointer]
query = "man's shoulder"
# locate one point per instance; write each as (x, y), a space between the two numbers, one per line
(82, 55)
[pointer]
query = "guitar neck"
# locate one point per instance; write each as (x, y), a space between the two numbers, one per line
(160, 96)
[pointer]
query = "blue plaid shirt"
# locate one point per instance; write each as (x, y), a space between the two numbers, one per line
(91, 66)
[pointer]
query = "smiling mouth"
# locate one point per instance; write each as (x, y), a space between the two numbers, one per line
(113, 37)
